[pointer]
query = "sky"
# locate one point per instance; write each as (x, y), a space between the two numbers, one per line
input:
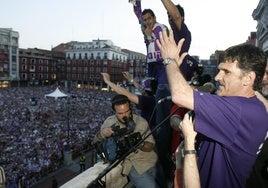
(43, 24)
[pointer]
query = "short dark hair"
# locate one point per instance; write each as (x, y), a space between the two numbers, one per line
(181, 10)
(249, 58)
(146, 11)
(119, 99)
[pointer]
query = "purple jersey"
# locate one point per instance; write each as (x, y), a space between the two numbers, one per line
(232, 129)
(153, 51)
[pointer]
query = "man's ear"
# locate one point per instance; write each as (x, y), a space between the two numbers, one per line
(249, 78)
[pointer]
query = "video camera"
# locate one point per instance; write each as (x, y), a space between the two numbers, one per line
(120, 142)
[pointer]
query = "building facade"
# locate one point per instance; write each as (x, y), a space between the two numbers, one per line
(41, 67)
(87, 60)
(137, 64)
(260, 14)
(9, 56)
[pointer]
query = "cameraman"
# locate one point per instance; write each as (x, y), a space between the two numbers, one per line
(139, 166)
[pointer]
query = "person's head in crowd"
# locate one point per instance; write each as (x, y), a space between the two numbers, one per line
(209, 87)
(122, 107)
(241, 71)
(149, 86)
(199, 80)
(148, 18)
(202, 83)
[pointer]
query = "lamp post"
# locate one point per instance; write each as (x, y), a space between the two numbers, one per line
(67, 150)
(33, 87)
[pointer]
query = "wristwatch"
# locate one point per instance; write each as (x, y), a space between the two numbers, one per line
(168, 60)
(185, 152)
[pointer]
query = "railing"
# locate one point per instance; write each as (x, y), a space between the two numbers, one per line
(86, 177)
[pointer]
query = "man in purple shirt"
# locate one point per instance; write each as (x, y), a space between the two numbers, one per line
(233, 122)
(180, 30)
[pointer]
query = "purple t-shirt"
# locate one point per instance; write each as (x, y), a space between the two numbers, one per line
(183, 33)
(189, 64)
(232, 129)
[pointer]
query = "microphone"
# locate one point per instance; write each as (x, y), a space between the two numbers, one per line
(175, 121)
(164, 99)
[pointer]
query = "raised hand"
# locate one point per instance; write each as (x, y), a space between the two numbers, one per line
(169, 48)
(106, 77)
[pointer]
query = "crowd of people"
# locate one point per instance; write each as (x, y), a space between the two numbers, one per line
(34, 129)
(219, 149)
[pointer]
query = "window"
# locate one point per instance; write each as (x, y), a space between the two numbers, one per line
(105, 63)
(98, 55)
(14, 50)
(14, 67)
(14, 58)
(14, 41)
(24, 76)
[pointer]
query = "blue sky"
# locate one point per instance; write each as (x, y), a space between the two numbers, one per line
(215, 24)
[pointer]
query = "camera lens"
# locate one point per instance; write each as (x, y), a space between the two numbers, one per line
(130, 124)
